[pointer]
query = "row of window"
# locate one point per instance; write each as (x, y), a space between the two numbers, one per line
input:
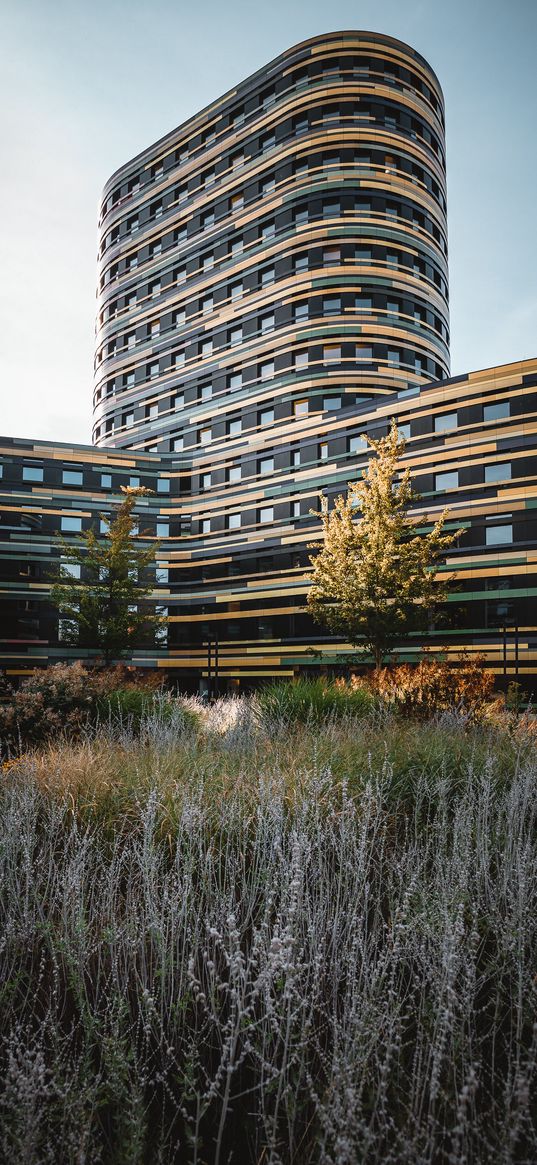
(236, 288)
(386, 73)
(257, 189)
(268, 231)
(501, 533)
(36, 473)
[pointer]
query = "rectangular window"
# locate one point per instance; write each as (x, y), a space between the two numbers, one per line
(331, 210)
(71, 525)
(178, 444)
(301, 263)
(331, 353)
(32, 473)
(236, 161)
(363, 303)
(446, 481)
(236, 202)
(207, 220)
(71, 568)
(295, 510)
(234, 521)
(151, 411)
(163, 485)
(323, 451)
(236, 290)
(206, 526)
(163, 529)
(152, 371)
(300, 408)
(206, 392)
(331, 403)
(268, 186)
(445, 422)
(235, 380)
(235, 336)
(106, 481)
(204, 436)
(497, 412)
(266, 416)
(72, 477)
(177, 402)
(234, 473)
(161, 574)
(357, 444)
(206, 481)
(206, 347)
(207, 262)
(266, 465)
(268, 276)
(498, 472)
(296, 457)
(394, 356)
(267, 324)
(266, 371)
(331, 256)
(332, 305)
(180, 275)
(301, 312)
(178, 359)
(268, 231)
(154, 288)
(178, 318)
(155, 328)
(234, 427)
(301, 359)
(266, 514)
(207, 305)
(404, 431)
(498, 535)
(127, 420)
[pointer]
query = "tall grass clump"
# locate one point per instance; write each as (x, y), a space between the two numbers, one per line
(312, 701)
(231, 944)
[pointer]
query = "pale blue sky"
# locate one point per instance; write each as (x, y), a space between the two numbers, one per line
(85, 86)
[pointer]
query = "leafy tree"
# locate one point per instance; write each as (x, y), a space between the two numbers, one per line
(108, 607)
(375, 578)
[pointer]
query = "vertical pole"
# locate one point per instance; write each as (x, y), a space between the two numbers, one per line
(504, 631)
(216, 693)
(516, 651)
(209, 671)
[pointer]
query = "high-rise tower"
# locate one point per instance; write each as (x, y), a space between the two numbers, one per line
(288, 241)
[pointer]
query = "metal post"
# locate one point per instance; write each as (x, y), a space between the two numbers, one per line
(516, 651)
(209, 670)
(216, 667)
(504, 629)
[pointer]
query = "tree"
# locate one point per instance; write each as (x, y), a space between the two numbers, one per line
(375, 578)
(107, 608)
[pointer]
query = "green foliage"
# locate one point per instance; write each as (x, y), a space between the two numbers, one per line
(375, 578)
(108, 608)
(313, 700)
(67, 698)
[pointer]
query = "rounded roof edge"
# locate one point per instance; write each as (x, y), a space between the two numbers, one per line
(320, 38)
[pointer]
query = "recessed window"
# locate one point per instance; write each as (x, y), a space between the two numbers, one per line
(152, 371)
(235, 336)
(296, 457)
(236, 290)
(155, 328)
(300, 408)
(206, 347)
(268, 231)
(446, 481)
(154, 288)
(394, 356)
(151, 412)
(332, 305)
(357, 444)
(127, 420)
(331, 353)
(207, 262)
(207, 305)
(268, 186)
(235, 380)
(301, 312)
(71, 525)
(134, 482)
(266, 416)
(331, 403)
(268, 276)
(404, 431)
(161, 574)
(106, 481)
(178, 444)
(32, 473)
(71, 568)
(72, 477)
(445, 422)
(163, 529)
(267, 324)
(163, 485)
(234, 521)
(180, 275)
(177, 402)
(301, 359)
(207, 220)
(204, 436)
(206, 392)
(236, 202)
(497, 412)
(363, 303)
(178, 359)
(179, 318)
(295, 510)
(497, 535)
(234, 473)
(364, 352)
(498, 472)
(234, 427)
(301, 263)
(266, 370)
(266, 514)
(206, 481)
(266, 465)
(206, 526)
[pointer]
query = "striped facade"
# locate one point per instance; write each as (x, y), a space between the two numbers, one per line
(273, 284)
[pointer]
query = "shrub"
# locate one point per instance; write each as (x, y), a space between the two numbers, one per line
(68, 698)
(433, 685)
(313, 700)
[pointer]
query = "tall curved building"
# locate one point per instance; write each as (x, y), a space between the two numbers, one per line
(285, 249)
(273, 285)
